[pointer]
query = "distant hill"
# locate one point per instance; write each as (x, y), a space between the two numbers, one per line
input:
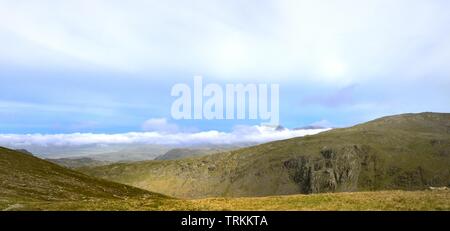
(409, 151)
(24, 151)
(131, 152)
(110, 152)
(309, 127)
(25, 178)
(78, 162)
(180, 153)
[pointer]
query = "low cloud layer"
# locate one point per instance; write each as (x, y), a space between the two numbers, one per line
(241, 134)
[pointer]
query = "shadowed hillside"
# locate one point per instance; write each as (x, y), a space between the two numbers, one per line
(25, 178)
(410, 151)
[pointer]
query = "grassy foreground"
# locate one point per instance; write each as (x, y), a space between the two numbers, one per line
(381, 200)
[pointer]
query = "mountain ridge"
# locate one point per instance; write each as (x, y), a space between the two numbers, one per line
(409, 151)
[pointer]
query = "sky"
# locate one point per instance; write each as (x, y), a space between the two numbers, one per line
(108, 67)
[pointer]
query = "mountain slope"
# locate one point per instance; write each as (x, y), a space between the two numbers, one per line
(409, 151)
(24, 177)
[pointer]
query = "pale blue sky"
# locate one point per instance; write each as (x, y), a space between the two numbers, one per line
(108, 66)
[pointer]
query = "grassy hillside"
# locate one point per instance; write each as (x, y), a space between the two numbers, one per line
(410, 151)
(25, 178)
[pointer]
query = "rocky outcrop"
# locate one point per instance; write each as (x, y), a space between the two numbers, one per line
(335, 169)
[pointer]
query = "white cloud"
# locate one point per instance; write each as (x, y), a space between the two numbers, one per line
(245, 134)
(326, 41)
(159, 125)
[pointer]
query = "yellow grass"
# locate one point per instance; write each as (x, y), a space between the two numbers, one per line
(362, 201)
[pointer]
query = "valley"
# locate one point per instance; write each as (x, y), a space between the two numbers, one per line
(398, 162)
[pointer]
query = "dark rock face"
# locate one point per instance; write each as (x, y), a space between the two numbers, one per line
(336, 169)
